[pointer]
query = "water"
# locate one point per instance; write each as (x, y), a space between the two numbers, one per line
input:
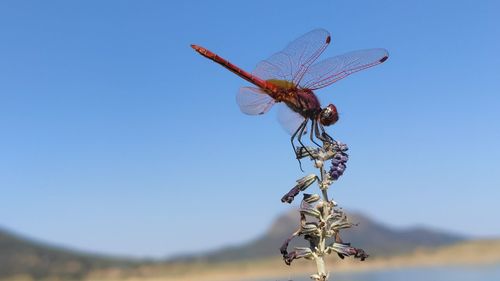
(489, 273)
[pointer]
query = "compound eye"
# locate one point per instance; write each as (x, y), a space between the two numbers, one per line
(329, 115)
(326, 112)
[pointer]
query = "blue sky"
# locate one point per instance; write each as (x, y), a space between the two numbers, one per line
(116, 137)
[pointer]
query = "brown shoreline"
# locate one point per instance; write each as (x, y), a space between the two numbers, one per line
(477, 253)
(468, 254)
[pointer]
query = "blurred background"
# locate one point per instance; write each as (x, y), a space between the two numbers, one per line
(123, 154)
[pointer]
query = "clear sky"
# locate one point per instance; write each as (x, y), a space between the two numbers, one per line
(116, 137)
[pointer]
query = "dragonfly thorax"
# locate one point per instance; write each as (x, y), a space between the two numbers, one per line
(302, 101)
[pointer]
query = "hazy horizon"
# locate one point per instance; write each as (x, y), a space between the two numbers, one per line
(351, 214)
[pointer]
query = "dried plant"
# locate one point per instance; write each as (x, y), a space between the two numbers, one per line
(320, 217)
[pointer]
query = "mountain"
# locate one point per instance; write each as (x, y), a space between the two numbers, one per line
(22, 256)
(378, 239)
(375, 238)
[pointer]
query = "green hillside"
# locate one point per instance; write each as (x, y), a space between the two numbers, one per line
(21, 256)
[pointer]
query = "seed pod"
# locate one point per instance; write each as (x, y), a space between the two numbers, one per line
(306, 181)
(339, 222)
(303, 252)
(309, 232)
(311, 212)
(309, 228)
(302, 184)
(311, 198)
(340, 248)
(310, 225)
(288, 197)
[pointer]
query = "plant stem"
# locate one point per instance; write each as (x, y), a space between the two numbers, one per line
(320, 265)
(320, 262)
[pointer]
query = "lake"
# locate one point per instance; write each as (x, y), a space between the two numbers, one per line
(486, 273)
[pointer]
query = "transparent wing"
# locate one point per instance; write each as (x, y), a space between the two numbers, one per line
(289, 119)
(291, 63)
(333, 69)
(253, 101)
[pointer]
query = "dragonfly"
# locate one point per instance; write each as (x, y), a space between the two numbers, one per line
(291, 76)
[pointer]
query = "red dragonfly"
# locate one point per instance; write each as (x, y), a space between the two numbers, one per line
(291, 77)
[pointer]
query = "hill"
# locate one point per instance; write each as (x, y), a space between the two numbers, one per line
(374, 237)
(22, 256)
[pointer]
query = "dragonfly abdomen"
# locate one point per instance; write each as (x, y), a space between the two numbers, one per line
(269, 87)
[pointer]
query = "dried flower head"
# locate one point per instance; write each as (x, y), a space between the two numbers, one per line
(319, 217)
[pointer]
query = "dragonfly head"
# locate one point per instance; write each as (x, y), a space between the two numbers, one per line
(328, 115)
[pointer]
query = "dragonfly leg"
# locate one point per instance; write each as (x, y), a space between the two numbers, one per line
(323, 136)
(293, 137)
(313, 124)
(299, 129)
(299, 133)
(317, 133)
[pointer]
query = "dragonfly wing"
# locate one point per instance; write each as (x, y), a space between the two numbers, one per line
(254, 101)
(289, 119)
(333, 69)
(291, 63)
